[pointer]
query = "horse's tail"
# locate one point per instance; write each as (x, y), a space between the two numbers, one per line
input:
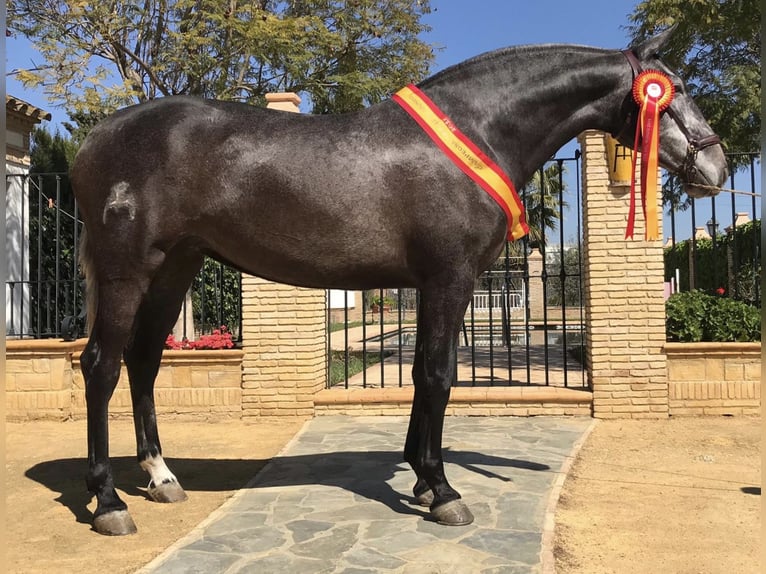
(91, 285)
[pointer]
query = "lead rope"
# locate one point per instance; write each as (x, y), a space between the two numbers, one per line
(716, 188)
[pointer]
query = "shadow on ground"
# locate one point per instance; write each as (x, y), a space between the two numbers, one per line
(363, 473)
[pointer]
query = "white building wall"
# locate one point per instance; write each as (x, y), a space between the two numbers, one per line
(340, 299)
(17, 310)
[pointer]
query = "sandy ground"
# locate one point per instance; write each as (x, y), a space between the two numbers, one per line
(674, 496)
(49, 511)
(679, 496)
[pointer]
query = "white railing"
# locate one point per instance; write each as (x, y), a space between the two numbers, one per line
(483, 300)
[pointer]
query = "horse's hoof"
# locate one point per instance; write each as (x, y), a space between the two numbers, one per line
(452, 513)
(167, 492)
(117, 523)
(425, 499)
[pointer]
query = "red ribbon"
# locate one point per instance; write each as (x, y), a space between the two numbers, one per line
(653, 91)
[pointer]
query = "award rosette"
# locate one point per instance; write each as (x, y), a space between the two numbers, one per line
(653, 91)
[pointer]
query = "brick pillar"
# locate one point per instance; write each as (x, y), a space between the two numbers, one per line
(283, 337)
(624, 303)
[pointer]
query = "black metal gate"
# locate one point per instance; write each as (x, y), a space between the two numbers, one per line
(524, 326)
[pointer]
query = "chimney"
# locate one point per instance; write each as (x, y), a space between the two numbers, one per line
(284, 101)
(701, 233)
(741, 219)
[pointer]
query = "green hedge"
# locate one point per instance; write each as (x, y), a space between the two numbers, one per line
(694, 316)
(712, 265)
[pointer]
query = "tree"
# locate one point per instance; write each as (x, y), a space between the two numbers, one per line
(50, 153)
(673, 194)
(55, 290)
(543, 205)
(543, 202)
(81, 123)
(568, 266)
(716, 48)
(215, 299)
(342, 55)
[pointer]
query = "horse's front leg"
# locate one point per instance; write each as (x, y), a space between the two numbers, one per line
(154, 320)
(143, 362)
(434, 371)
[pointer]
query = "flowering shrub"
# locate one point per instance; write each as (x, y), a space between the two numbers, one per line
(218, 339)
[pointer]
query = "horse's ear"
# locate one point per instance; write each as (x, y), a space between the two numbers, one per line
(654, 45)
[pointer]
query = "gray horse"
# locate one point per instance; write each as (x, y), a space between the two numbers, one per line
(354, 201)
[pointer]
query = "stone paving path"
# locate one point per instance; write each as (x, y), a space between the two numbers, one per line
(338, 500)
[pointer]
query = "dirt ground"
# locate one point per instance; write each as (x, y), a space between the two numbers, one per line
(48, 522)
(679, 496)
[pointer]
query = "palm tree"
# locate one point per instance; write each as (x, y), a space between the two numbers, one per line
(543, 202)
(543, 211)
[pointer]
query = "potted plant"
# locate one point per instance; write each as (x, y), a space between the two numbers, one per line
(376, 302)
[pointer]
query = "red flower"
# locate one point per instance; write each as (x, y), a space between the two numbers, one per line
(171, 343)
(218, 339)
(720, 291)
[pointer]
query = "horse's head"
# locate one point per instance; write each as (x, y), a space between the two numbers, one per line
(688, 145)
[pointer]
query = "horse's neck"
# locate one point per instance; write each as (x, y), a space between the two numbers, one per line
(532, 101)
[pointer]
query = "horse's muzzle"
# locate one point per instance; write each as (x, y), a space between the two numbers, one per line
(704, 170)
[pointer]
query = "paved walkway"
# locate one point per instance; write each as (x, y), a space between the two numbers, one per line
(338, 500)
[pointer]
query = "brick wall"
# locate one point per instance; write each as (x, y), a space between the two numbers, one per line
(464, 401)
(43, 380)
(625, 306)
(284, 340)
(714, 378)
(38, 379)
(202, 384)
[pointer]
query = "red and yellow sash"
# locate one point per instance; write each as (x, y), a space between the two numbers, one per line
(465, 155)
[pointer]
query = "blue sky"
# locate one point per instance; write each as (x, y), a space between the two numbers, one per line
(461, 30)
(467, 29)
(464, 29)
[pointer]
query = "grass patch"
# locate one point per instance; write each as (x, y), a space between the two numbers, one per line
(356, 364)
(340, 326)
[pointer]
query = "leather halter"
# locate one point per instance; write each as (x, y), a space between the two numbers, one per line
(694, 144)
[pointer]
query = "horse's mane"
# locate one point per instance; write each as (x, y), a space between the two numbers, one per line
(508, 53)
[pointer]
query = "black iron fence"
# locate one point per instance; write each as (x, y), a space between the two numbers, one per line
(45, 290)
(524, 326)
(714, 243)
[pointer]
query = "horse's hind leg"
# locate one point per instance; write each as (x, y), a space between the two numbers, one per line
(156, 316)
(441, 313)
(101, 361)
